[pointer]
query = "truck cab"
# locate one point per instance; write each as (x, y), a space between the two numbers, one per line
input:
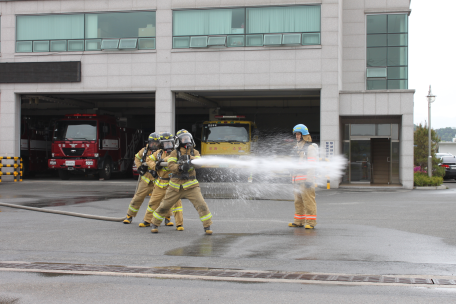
(93, 144)
(229, 137)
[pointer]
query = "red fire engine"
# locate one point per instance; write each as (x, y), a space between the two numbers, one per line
(93, 143)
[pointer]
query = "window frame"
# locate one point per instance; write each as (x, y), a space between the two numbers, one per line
(387, 47)
(84, 39)
(245, 35)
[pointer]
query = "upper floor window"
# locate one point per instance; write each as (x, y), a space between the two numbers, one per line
(387, 52)
(262, 26)
(85, 32)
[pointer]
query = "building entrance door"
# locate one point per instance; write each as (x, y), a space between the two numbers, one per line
(381, 160)
(360, 162)
(373, 153)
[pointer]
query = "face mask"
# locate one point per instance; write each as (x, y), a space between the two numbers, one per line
(168, 145)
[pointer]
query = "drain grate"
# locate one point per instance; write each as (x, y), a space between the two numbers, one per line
(221, 273)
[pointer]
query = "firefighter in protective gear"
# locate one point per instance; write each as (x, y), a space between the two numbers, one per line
(162, 182)
(304, 180)
(146, 184)
(183, 183)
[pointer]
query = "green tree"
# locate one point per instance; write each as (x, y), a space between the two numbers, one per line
(421, 149)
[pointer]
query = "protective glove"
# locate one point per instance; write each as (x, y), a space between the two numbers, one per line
(157, 164)
(142, 170)
(184, 167)
(153, 173)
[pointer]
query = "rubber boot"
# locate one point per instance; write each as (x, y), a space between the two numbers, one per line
(208, 230)
(168, 222)
(144, 224)
(154, 228)
(295, 225)
(179, 228)
(128, 219)
(309, 227)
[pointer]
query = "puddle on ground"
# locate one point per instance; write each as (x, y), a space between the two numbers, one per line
(223, 243)
(10, 196)
(54, 202)
(8, 300)
(55, 274)
(210, 245)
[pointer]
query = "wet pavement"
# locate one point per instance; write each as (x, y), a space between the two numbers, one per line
(367, 233)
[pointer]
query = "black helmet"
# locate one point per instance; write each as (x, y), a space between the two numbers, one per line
(185, 139)
(167, 141)
(154, 141)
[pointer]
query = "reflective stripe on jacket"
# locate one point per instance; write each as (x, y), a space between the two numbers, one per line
(163, 172)
(178, 183)
(305, 175)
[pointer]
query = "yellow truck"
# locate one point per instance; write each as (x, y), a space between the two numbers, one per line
(228, 136)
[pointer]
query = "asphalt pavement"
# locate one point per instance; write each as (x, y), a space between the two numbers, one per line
(380, 232)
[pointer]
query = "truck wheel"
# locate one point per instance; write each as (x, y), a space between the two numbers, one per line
(106, 171)
(64, 175)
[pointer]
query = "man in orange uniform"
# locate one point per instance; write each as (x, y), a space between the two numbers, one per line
(146, 184)
(304, 180)
(162, 182)
(183, 183)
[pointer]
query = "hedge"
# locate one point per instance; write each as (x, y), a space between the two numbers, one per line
(423, 180)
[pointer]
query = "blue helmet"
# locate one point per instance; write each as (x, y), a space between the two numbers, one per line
(301, 128)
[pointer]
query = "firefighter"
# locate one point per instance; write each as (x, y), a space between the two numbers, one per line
(183, 183)
(304, 181)
(167, 143)
(146, 184)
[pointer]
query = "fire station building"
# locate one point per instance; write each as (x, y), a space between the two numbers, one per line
(338, 66)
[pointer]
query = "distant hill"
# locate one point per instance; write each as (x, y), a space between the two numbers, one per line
(446, 134)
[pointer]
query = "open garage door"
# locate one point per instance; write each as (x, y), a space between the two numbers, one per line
(41, 111)
(241, 123)
(273, 112)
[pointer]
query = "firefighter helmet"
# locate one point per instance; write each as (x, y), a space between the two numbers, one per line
(301, 128)
(167, 141)
(185, 138)
(154, 140)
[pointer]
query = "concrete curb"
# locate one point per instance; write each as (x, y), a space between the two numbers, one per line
(441, 187)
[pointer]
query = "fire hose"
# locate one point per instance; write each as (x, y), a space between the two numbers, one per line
(88, 216)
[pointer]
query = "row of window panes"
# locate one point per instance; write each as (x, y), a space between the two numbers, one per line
(78, 32)
(267, 23)
(246, 40)
(384, 84)
(378, 40)
(387, 56)
(390, 72)
(383, 24)
(371, 130)
(84, 45)
(387, 52)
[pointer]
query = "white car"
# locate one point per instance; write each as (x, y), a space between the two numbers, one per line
(442, 154)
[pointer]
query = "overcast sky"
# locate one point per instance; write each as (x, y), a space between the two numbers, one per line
(432, 60)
